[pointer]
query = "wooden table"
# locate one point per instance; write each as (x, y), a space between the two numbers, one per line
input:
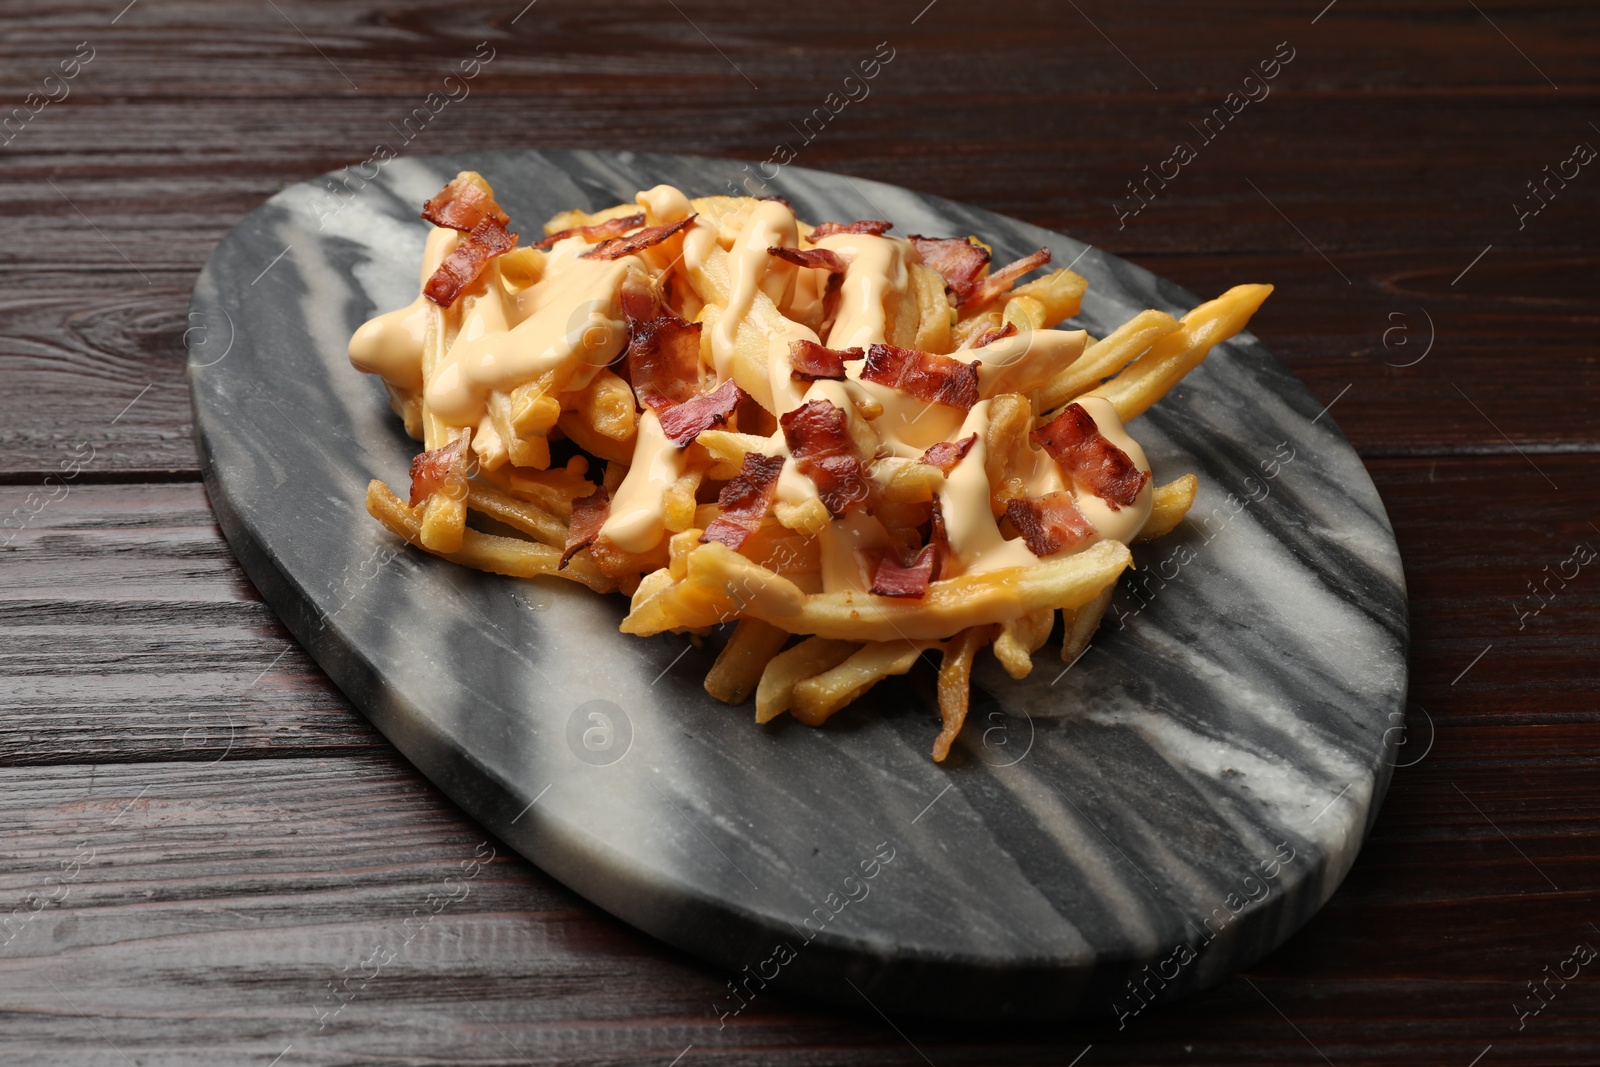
(202, 836)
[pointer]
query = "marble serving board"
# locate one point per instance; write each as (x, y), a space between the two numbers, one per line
(1104, 837)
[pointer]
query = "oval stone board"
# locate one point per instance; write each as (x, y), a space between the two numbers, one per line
(1107, 835)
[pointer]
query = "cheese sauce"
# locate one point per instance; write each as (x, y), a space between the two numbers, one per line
(568, 324)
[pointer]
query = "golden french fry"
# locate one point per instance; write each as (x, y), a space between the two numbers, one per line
(1008, 457)
(727, 450)
(1102, 359)
(531, 518)
(1082, 622)
(906, 481)
(1148, 378)
(680, 503)
(817, 698)
(1020, 638)
(607, 405)
(593, 441)
(955, 685)
(963, 332)
(722, 584)
(486, 552)
(742, 660)
(808, 517)
(934, 313)
(775, 691)
(1059, 295)
(614, 562)
(1025, 313)
(1169, 504)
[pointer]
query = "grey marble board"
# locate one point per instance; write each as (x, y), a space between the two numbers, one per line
(1103, 838)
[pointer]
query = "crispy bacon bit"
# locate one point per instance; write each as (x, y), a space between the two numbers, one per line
(1075, 442)
(872, 227)
(957, 260)
(999, 282)
(649, 237)
(684, 422)
(819, 440)
(589, 513)
(778, 200)
(946, 454)
(927, 376)
(464, 203)
(597, 231)
(811, 257)
(995, 333)
(809, 361)
(462, 266)
(432, 471)
(1049, 523)
(745, 500)
(891, 578)
(664, 361)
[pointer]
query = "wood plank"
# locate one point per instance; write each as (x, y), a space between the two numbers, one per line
(209, 906)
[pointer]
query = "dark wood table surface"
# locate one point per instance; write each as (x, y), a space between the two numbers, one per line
(200, 835)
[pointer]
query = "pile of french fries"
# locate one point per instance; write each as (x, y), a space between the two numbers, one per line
(500, 495)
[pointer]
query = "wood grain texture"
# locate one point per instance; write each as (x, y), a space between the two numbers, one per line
(252, 836)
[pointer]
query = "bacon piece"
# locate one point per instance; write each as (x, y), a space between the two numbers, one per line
(872, 227)
(999, 282)
(745, 500)
(462, 267)
(1049, 523)
(649, 237)
(993, 334)
(1075, 442)
(684, 422)
(597, 231)
(809, 361)
(946, 454)
(891, 578)
(641, 299)
(927, 376)
(939, 538)
(819, 440)
(664, 361)
(432, 471)
(589, 513)
(778, 200)
(464, 203)
(957, 260)
(811, 257)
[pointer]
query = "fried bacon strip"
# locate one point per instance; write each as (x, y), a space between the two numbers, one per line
(999, 282)
(598, 231)
(946, 454)
(1074, 441)
(432, 471)
(1049, 523)
(957, 260)
(809, 361)
(811, 257)
(819, 439)
(872, 227)
(745, 500)
(664, 361)
(589, 513)
(464, 203)
(927, 376)
(649, 237)
(463, 266)
(684, 422)
(891, 578)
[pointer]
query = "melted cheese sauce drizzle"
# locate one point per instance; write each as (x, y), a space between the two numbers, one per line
(568, 324)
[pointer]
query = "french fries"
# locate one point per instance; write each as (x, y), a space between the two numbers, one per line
(569, 394)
